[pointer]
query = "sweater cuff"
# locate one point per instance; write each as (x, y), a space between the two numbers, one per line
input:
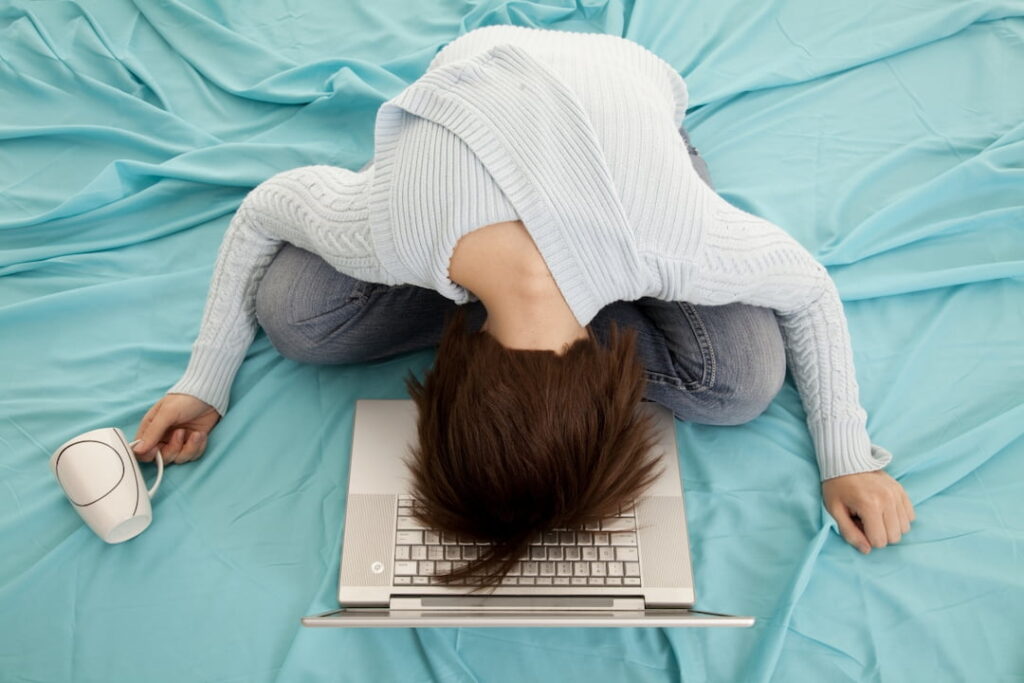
(843, 447)
(209, 375)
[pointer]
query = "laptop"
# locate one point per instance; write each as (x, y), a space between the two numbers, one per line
(632, 569)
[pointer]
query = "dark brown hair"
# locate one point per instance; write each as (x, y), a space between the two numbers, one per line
(515, 442)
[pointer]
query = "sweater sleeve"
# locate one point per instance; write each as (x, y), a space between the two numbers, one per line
(318, 208)
(748, 259)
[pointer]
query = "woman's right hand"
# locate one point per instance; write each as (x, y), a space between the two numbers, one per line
(178, 425)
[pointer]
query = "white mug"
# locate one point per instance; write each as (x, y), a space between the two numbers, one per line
(101, 477)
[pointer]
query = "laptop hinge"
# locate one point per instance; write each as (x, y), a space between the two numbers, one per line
(517, 602)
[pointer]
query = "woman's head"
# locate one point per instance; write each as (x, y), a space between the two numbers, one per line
(515, 442)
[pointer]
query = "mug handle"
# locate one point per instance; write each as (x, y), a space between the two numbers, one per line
(159, 465)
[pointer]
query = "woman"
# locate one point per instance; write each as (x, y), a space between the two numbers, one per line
(534, 182)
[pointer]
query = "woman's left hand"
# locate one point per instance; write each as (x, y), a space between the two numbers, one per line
(882, 506)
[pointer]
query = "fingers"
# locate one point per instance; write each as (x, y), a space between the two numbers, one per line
(885, 517)
(872, 508)
(183, 445)
(849, 529)
(908, 506)
(193, 447)
(891, 518)
(143, 451)
(151, 430)
(172, 451)
(874, 525)
(901, 513)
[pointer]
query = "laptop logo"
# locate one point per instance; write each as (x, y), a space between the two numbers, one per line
(377, 567)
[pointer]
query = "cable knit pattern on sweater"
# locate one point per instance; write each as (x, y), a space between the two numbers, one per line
(577, 136)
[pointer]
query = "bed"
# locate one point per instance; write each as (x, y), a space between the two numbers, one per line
(887, 137)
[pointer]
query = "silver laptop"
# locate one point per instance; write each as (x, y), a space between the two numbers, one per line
(633, 569)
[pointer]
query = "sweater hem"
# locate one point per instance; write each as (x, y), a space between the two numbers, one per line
(844, 447)
(209, 376)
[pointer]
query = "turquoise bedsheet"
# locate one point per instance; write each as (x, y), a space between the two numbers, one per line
(888, 137)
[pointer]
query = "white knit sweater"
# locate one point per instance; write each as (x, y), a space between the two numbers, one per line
(575, 134)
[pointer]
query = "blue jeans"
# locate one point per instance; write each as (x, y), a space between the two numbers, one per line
(718, 365)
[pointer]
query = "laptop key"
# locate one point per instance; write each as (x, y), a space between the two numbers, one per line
(403, 580)
(402, 551)
(601, 538)
(584, 537)
(567, 537)
(579, 581)
(564, 568)
(526, 580)
(431, 538)
(623, 538)
(595, 581)
(426, 568)
(581, 569)
(405, 568)
(606, 553)
(409, 538)
(614, 569)
(618, 524)
(613, 581)
(547, 568)
(560, 581)
(470, 553)
(572, 553)
(626, 555)
(452, 552)
(598, 569)
(632, 581)
(632, 569)
(405, 522)
(543, 580)
(590, 553)
(418, 580)
(556, 553)
(435, 552)
(538, 553)
(529, 568)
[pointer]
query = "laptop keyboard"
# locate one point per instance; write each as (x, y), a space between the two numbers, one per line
(601, 553)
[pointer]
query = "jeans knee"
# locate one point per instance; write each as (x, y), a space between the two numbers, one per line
(749, 401)
(747, 386)
(274, 303)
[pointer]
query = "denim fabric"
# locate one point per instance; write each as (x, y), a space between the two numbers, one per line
(717, 365)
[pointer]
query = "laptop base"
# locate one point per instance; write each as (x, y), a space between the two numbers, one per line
(383, 617)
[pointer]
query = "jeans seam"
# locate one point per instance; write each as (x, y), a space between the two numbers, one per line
(707, 352)
(361, 291)
(358, 299)
(655, 377)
